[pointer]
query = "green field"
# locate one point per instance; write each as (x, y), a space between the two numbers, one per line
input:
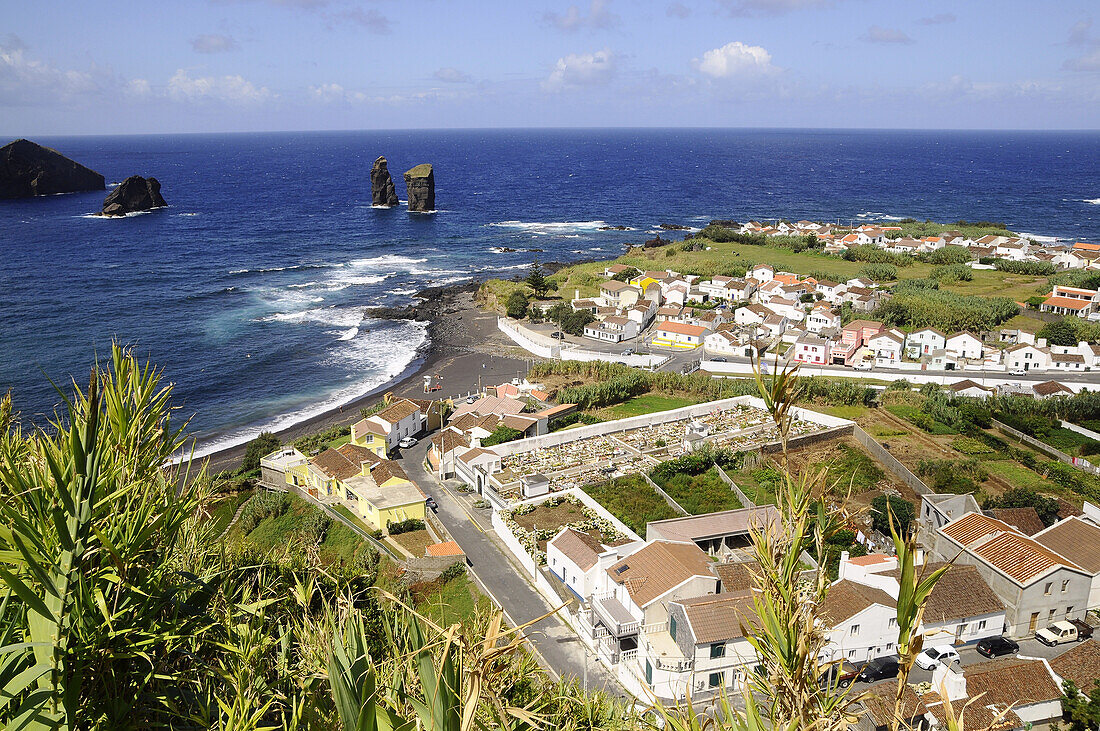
(1018, 476)
(224, 509)
(280, 532)
(699, 494)
(917, 417)
(458, 601)
(631, 500)
(732, 258)
(648, 404)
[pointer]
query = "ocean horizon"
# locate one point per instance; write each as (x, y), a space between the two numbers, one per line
(249, 289)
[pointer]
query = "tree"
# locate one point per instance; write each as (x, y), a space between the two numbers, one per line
(516, 306)
(559, 312)
(1026, 497)
(536, 280)
(500, 435)
(627, 274)
(261, 446)
(574, 322)
(1081, 709)
(899, 507)
(1062, 332)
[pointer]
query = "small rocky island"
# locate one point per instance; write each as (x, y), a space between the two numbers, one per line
(420, 182)
(28, 169)
(134, 195)
(382, 192)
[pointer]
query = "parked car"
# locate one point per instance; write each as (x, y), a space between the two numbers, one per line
(881, 668)
(407, 442)
(429, 502)
(1060, 632)
(933, 656)
(1017, 372)
(841, 674)
(558, 335)
(718, 360)
(997, 646)
(471, 399)
(628, 351)
(863, 365)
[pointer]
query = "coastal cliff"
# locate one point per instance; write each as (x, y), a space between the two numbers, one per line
(382, 192)
(28, 169)
(421, 184)
(135, 194)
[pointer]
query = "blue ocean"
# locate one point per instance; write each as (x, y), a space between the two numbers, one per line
(249, 289)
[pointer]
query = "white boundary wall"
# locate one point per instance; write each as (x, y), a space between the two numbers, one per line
(546, 347)
(990, 379)
(661, 417)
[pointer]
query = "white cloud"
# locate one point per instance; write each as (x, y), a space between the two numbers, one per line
(451, 75)
(769, 7)
(736, 60)
(1080, 36)
(581, 69)
(1087, 62)
(24, 80)
(573, 19)
(138, 87)
(370, 19)
(878, 34)
(234, 89)
(327, 92)
(213, 43)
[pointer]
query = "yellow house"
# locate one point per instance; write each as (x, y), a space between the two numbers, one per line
(378, 488)
(384, 495)
(372, 435)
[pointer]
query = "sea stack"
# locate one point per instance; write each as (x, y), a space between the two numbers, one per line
(421, 184)
(135, 194)
(28, 169)
(382, 192)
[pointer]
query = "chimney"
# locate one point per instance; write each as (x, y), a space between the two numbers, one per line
(576, 294)
(1041, 343)
(844, 556)
(948, 683)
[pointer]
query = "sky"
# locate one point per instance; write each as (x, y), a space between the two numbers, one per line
(93, 67)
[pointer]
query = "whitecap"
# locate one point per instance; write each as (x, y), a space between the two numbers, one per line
(402, 292)
(386, 260)
(1092, 201)
(349, 334)
(548, 227)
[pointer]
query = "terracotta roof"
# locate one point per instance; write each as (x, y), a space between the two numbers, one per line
(475, 453)
(965, 384)
(387, 470)
(372, 426)
(1068, 303)
(1011, 681)
(869, 560)
(580, 548)
(449, 439)
(446, 548)
(553, 411)
(656, 569)
(879, 702)
(1019, 557)
(681, 328)
(1076, 539)
(397, 411)
(1049, 388)
(344, 462)
(846, 599)
(960, 593)
(718, 617)
(737, 577)
(972, 527)
(1080, 664)
(1025, 520)
(519, 423)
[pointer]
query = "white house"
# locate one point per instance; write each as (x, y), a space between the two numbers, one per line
(400, 419)
(821, 318)
(1078, 540)
(723, 342)
(678, 333)
(924, 341)
(708, 632)
(887, 347)
(751, 315)
(810, 348)
(862, 622)
(1027, 357)
(830, 291)
(574, 556)
(612, 329)
(966, 345)
(762, 272)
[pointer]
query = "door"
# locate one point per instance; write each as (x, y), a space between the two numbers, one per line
(1034, 623)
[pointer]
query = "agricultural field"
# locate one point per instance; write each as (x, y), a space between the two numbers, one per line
(703, 493)
(292, 526)
(414, 541)
(631, 500)
(650, 403)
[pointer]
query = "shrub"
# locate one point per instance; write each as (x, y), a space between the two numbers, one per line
(261, 446)
(577, 417)
(948, 255)
(952, 273)
(311, 442)
(315, 527)
(874, 255)
(262, 505)
(627, 274)
(923, 307)
(405, 526)
(1030, 268)
(500, 435)
(1025, 497)
(452, 572)
(879, 272)
(516, 305)
(574, 322)
(900, 508)
(952, 476)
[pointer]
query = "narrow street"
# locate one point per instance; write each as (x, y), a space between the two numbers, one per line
(555, 644)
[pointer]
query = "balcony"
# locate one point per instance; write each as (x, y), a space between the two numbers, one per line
(665, 654)
(614, 616)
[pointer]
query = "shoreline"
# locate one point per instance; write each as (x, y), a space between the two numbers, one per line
(457, 327)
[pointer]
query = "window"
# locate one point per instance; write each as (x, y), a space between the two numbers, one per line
(1069, 610)
(851, 653)
(1065, 585)
(855, 630)
(648, 673)
(714, 680)
(981, 625)
(889, 646)
(893, 622)
(1047, 588)
(672, 625)
(1050, 616)
(718, 649)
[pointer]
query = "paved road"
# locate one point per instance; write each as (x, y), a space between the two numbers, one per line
(555, 644)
